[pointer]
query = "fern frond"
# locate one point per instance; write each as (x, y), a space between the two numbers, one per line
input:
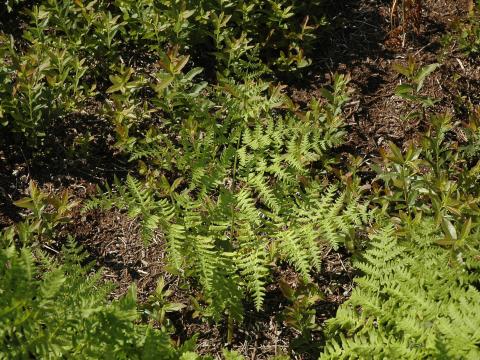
(266, 193)
(206, 259)
(292, 249)
(405, 303)
(252, 262)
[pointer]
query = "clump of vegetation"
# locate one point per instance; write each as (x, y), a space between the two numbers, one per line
(469, 35)
(414, 300)
(68, 42)
(421, 269)
(241, 193)
(465, 35)
(237, 182)
(57, 308)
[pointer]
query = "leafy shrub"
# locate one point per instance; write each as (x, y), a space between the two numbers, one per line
(437, 178)
(74, 43)
(38, 87)
(278, 30)
(469, 36)
(418, 293)
(47, 211)
(465, 33)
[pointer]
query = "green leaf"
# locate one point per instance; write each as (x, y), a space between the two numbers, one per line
(448, 229)
(404, 70)
(192, 73)
(181, 64)
(115, 87)
(25, 203)
(163, 83)
(467, 226)
(397, 153)
(173, 307)
(286, 290)
(423, 73)
(327, 95)
(404, 89)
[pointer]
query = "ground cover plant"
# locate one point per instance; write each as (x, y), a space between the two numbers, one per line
(173, 190)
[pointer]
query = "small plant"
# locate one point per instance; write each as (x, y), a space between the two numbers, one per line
(402, 180)
(38, 88)
(47, 212)
(425, 181)
(301, 314)
(412, 90)
(158, 306)
(467, 32)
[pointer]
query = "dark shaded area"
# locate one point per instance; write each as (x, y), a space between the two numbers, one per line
(14, 22)
(76, 154)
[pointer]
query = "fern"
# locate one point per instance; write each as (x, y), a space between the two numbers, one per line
(292, 249)
(412, 302)
(246, 182)
(207, 259)
(51, 309)
(252, 262)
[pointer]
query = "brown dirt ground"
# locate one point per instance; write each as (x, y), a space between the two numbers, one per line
(365, 46)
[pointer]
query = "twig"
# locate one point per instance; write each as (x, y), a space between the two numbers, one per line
(51, 249)
(422, 48)
(255, 347)
(341, 262)
(392, 11)
(461, 64)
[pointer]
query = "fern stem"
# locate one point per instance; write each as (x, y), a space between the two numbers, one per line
(234, 177)
(229, 329)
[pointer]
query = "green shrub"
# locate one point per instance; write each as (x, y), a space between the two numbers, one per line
(73, 46)
(279, 31)
(38, 87)
(417, 296)
(469, 33)
(465, 33)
